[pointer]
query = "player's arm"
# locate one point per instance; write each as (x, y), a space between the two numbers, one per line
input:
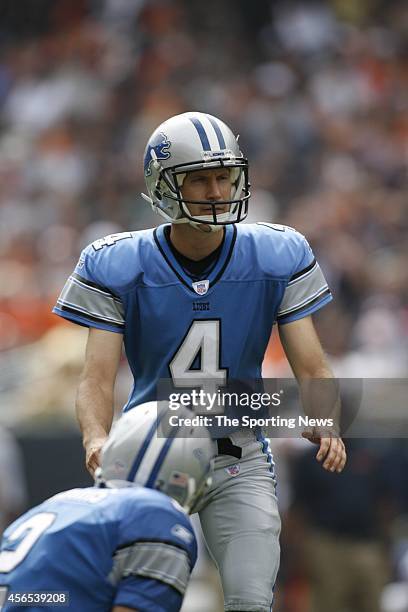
(153, 573)
(123, 609)
(307, 360)
(94, 403)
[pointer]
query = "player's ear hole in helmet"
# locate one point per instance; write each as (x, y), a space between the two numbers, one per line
(143, 449)
(186, 143)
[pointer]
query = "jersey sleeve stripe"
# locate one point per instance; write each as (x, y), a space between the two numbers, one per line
(155, 560)
(306, 271)
(91, 313)
(322, 296)
(74, 282)
(303, 290)
(305, 302)
(150, 540)
(85, 316)
(87, 284)
(90, 301)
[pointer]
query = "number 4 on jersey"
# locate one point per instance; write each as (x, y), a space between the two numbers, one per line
(110, 240)
(203, 340)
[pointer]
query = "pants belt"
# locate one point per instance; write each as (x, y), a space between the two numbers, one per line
(226, 447)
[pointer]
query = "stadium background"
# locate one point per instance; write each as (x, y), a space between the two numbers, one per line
(318, 93)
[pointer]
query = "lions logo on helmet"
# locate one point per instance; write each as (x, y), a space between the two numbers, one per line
(198, 142)
(157, 149)
(177, 464)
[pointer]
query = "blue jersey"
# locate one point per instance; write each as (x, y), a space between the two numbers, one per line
(174, 327)
(133, 547)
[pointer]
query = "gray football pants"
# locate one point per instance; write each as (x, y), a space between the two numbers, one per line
(240, 521)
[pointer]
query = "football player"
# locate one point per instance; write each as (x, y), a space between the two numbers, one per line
(194, 300)
(117, 546)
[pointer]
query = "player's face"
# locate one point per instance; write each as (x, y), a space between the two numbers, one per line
(209, 186)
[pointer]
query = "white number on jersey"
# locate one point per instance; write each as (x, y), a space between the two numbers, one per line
(110, 240)
(202, 338)
(31, 529)
(277, 226)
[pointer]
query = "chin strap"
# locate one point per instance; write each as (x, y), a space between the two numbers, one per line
(147, 198)
(206, 225)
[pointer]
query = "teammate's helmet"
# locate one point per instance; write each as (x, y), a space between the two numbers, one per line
(178, 465)
(188, 142)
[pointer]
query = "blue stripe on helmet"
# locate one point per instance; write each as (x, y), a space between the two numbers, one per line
(217, 130)
(201, 132)
(159, 461)
(143, 448)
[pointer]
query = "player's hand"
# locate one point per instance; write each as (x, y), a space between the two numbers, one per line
(331, 450)
(93, 454)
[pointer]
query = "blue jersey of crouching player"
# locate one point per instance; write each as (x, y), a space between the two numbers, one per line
(131, 547)
(186, 329)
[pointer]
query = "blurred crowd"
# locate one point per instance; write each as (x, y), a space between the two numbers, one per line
(318, 92)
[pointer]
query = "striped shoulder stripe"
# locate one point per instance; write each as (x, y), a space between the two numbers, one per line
(86, 311)
(305, 300)
(325, 291)
(74, 310)
(303, 272)
(150, 541)
(85, 284)
(92, 285)
(153, 560)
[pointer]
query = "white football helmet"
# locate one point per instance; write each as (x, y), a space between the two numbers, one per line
(188, 142)
(178, 465)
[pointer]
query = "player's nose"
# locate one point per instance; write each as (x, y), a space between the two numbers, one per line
(213, 189)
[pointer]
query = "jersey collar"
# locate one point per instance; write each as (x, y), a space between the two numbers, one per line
(217, 271)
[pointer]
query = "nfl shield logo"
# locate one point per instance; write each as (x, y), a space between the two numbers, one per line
(233, 470)
(201, 287)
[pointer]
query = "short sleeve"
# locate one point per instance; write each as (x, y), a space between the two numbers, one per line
(149, 573)
(157, 549)
(306, 290)
(86, 298)
(149, 595)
